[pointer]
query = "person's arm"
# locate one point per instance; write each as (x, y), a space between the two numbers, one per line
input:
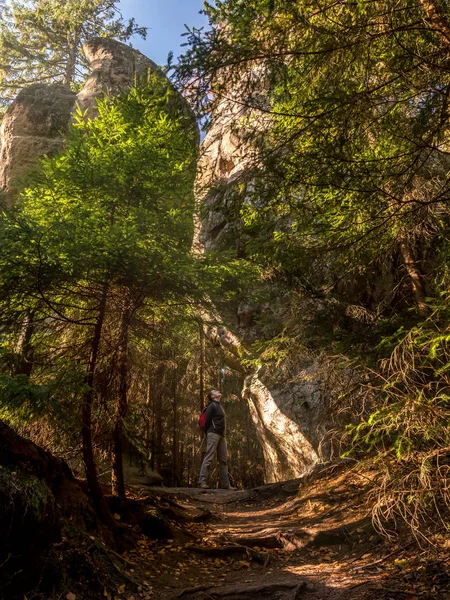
(210, 411)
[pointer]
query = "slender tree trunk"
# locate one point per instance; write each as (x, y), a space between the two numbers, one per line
(24, 349)
(175, 477)
(415, 276)
(248, 430)
(153, 424)
(73, 43)
(148, 417)
(158, 400)
(181, 463)
(202, 368)
(86, 417)
(117, 480)
(188, 463)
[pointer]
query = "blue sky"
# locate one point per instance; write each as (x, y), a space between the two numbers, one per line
(165, 20)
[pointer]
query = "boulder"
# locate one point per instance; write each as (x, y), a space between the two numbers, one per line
(37, 121)
(37, 494)
(33, 126)
(115, 67)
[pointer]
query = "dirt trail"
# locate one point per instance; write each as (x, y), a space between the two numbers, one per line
(309, 539)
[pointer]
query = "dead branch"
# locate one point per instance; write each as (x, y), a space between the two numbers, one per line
(380, 560)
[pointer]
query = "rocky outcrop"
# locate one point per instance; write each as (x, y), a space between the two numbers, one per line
(115, 68)
(289, 403)
(36, 122)
(32, 127)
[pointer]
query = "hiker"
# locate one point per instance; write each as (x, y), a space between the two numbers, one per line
(215, 426)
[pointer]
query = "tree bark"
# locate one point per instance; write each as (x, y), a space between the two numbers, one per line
(415, 276)
(24, 349)
(95, 490)
(158, 403)
(117, 479)
(202, 367)
(73, 42)
(175, 475)
(181, 463)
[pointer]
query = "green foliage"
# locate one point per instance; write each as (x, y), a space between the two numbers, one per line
(343, 108)
(111, 216)
(115, 205)
(51, 394)
(408, 431)
(23, 491)
(41, 40)
(345, 114)
(114, 209)
(413, 407)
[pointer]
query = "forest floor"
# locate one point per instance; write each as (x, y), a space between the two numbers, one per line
(309, 538)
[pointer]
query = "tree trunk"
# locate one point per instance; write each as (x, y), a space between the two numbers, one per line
(175, 476)
(72, 52)
(86, 417)
(158, 403)
(117, 480)
(153, 422)
(415, 276)
(24, 349)
(202, 369)
(181, 463)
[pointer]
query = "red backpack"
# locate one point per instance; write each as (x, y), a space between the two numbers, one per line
(201, 420)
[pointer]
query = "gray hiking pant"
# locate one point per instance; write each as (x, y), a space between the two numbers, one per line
(215, 444)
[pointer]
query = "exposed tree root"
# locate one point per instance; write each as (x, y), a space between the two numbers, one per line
(183, 514)
(274, 591)
(263, 541)
(228, 550)
(289, 540)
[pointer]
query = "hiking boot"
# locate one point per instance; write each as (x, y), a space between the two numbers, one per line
(203, 486)
(230, 488)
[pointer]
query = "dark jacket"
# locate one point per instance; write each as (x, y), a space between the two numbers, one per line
(215, 419)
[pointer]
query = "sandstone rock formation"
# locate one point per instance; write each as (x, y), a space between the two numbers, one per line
(290, 408)
(115, 67)
(35, 123)
(32, 127)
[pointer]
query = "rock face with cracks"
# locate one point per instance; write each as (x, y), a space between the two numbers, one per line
(290, 407)
(32, 127)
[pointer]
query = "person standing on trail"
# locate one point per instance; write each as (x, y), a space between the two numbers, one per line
(215, 428)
